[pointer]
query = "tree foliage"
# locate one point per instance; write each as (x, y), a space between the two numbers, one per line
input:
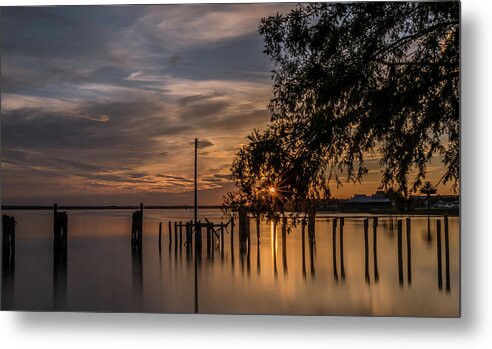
(352, 81)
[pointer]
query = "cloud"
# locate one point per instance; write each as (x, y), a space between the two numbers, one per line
(106, 101)
(177, 26)
(204, 143)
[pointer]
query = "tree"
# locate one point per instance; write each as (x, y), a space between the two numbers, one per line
(428, 189)
(352, 80)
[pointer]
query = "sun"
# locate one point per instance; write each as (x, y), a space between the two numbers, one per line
(272, 190)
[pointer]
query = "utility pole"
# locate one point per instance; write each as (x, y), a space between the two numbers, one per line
(195, 226)
(196, 196)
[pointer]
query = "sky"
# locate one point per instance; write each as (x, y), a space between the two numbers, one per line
(101, 104)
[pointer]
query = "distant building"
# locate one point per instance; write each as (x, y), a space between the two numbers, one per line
(361, 202)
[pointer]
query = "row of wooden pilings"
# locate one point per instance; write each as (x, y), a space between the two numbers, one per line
(406, 238)
(60, 238)
(215, 234)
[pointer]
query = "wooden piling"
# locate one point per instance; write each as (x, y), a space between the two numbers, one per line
(284, 244)
(137, 226)
(311, 258)
(274, 242)
(366, 249)
(60, 233)
(312, 225)
(243, 228)
(170, 235)
(8, 262)
(160, 234)
(212, 240)
(8, 241)
(334, 248)
(180, 226)
(439, 261)
(409, 251)
(209, 239)
(258, 220)
(375, 248)
(197, 230)
(189, 235)
(232, 231)
(258, 261)
(222, 241)
(446, 253)
(60, 229)
(222, 227)
(175, 239)
(303, 229)
(400, 257)
(342, 262)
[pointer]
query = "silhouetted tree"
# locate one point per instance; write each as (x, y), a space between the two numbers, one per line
(352, 80)
(428, 189)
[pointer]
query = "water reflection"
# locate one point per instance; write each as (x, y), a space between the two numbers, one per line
(386, 273)
(137, 276)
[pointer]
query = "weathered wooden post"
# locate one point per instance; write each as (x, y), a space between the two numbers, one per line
(55, 220)
(409, 251)
(137, 226)
(232, 231)
(232, 241)
(8, 262)
(209, 238)
(160, 234)
(170, 234)
(198, 241)
(258, 262)
(311, 257)
(446, 252)
(180, 225)
(334, 249)
(375, 248)
(400, 257)
(188, 227)
(366, 249)
(8, 242)
(60, 229)
(189, 240)
(212, 240)
(342, 261)
(140, 227)
(258, 221)
(274, 247)
(284, 244)
(222, 239)
(60, 232)
(312, 225)
(303, 237)
(175, 234)
(439, 261)
(243, 228)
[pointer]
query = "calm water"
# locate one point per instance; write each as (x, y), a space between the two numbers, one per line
(274, 276)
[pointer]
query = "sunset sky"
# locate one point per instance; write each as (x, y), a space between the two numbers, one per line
(100, 105)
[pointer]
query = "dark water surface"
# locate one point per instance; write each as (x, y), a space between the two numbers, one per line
(276, 275)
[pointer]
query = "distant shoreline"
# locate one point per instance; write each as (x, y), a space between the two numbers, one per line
(108, 207)
(419, 211)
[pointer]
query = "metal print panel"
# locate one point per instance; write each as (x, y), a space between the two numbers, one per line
(273, 158)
